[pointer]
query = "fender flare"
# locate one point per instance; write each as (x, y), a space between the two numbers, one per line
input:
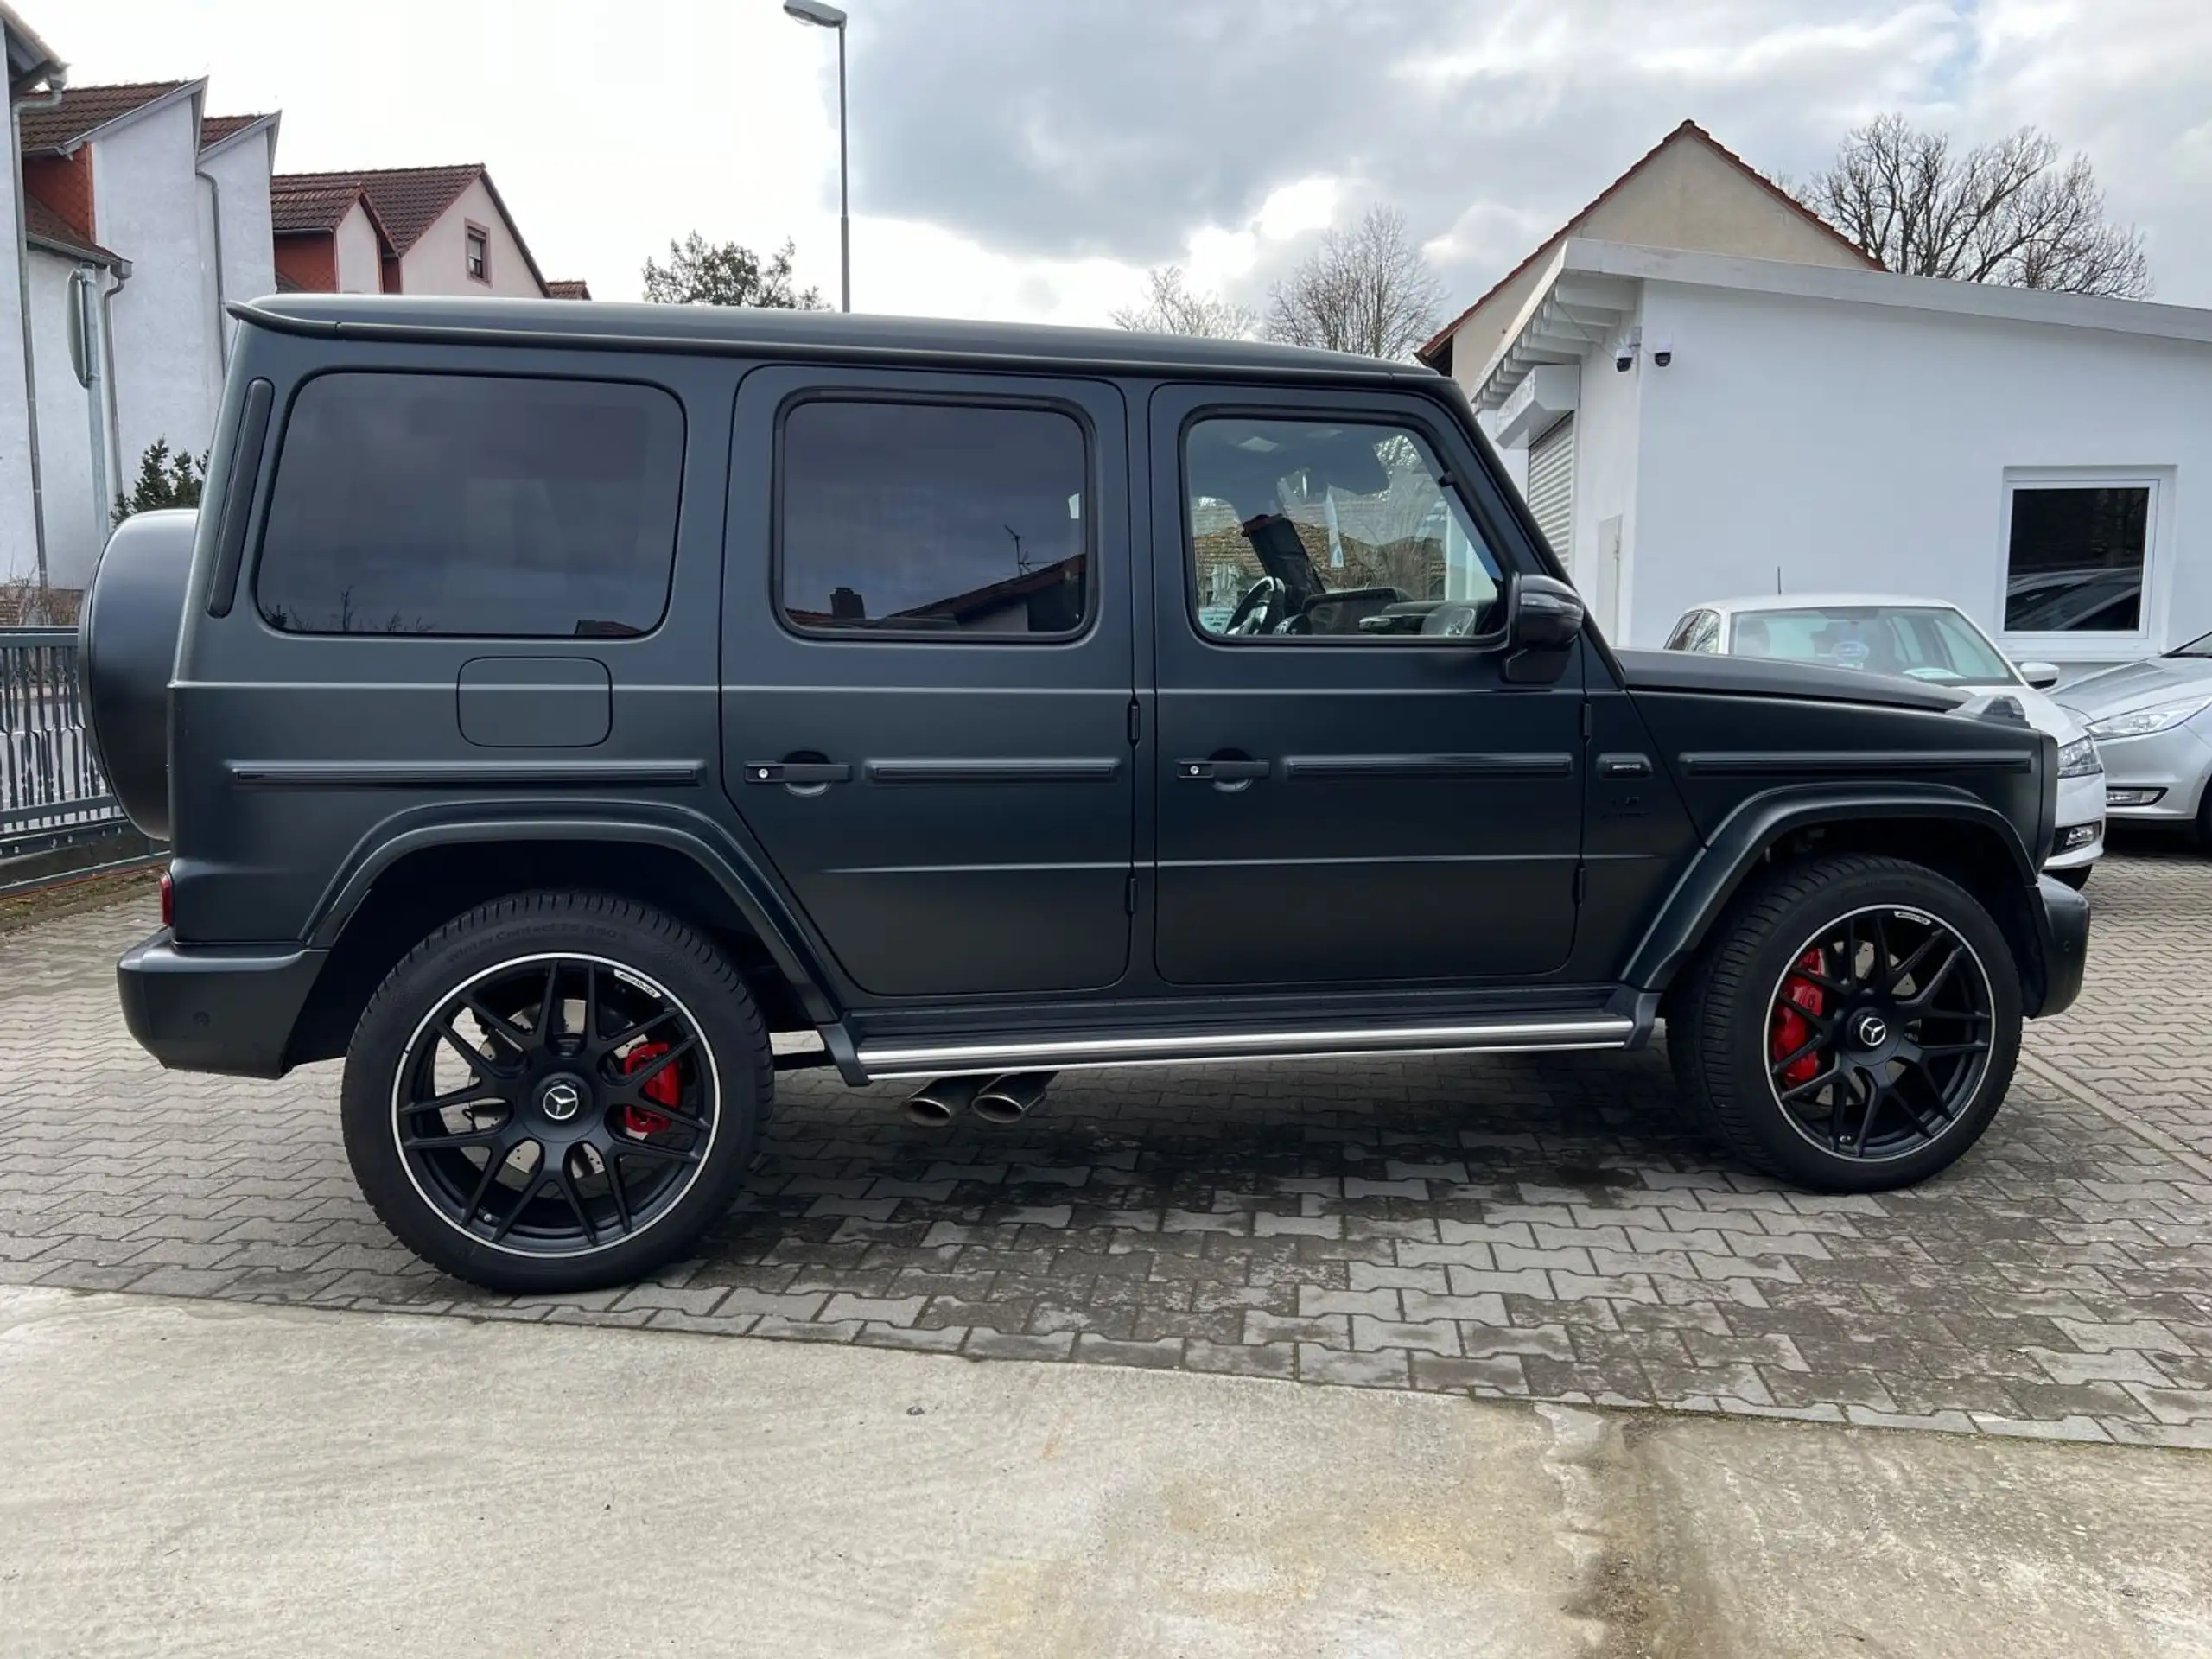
(693, 835)
(1749, 832)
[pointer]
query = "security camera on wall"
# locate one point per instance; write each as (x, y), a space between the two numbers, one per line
(1662, 352)
(1624, 354)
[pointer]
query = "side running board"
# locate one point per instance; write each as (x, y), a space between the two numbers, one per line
(1068, 1053)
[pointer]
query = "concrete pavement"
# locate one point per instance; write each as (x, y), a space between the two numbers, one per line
(208, 1478)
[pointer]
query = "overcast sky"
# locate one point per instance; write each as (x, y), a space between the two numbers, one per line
(1030, 158)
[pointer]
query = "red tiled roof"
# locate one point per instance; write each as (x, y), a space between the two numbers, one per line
(1687, 130)
(296, 205)
(567, 287)
(42, 225)
(86, 109)
(214, 128)
(407, 198)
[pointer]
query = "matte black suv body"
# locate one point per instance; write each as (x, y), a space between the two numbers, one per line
(563, 704)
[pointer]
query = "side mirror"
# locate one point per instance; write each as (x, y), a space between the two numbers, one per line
(2042, 675)
(1543, 617)
(1541, 613)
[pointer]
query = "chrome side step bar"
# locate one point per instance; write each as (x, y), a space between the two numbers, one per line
(884, 1061)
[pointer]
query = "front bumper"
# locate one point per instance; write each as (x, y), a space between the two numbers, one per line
(2173, 763)
(227, 1008)
(2080, 807)
(2062, 917)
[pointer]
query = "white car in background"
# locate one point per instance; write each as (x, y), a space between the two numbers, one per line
(1921, 639)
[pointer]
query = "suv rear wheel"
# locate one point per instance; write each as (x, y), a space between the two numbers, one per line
(557, 1091)
(1854, 1025)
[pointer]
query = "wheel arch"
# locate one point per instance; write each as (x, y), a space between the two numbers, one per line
(407, 883)
(1949, 831)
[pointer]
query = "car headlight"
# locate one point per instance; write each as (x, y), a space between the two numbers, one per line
(2141, 722)
(2079, 759)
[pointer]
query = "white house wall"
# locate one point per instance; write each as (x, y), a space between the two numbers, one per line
(1866, 446)
(147, 198)
(1608, 419)
(249, 258)
(438, 264)
(18, 530)
(76, 521)
(359, 253)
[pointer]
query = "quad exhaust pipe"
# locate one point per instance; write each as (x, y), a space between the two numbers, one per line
(1006, 1099)
(936, 1104)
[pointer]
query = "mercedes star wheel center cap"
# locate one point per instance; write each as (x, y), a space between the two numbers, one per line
(561, 1100)
(1873, 1030)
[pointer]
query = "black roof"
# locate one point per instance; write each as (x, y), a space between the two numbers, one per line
(753, 330)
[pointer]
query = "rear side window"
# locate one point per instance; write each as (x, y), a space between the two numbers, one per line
(425, 504)
(932, 520)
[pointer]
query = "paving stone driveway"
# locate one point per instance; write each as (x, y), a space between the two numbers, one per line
(1531, 1228)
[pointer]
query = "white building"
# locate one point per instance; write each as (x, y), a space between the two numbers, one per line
(33, 73)
(1689, 423)
(138, 218)
(404, 230)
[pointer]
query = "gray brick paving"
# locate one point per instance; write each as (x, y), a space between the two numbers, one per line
(1511, 1228)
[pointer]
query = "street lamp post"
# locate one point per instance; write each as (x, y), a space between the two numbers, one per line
(828, 16)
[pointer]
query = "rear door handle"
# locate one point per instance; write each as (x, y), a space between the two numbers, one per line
(1222, 771)
(797, 774)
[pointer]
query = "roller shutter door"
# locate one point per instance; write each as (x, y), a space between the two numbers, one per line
(1551, 486)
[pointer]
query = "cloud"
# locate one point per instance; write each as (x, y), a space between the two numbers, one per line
(1030, 158)
(1145, 133)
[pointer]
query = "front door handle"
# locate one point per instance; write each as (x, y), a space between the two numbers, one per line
(797, 774)
(1222, 771)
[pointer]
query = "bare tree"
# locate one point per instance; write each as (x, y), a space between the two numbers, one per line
(1172, 308)
(2004, 212)
(1367, 289)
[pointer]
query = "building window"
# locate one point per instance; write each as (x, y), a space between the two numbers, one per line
(480, 253)
(933, 520)
(2078, 554)
(447, 504)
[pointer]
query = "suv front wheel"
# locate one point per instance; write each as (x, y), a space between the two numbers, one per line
(1852, 1026)
(557, 1091)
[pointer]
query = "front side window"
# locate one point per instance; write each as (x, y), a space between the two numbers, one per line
(1698, 631)
(934, 519)
(1310, 529)
(432, 504)
(2077, 557)
(1923, 642)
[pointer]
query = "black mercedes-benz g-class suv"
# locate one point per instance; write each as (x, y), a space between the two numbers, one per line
(548, 703)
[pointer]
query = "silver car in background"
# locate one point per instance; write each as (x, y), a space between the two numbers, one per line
(2152, 721)
(1921, 639)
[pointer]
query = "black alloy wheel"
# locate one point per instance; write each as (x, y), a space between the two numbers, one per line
(557, 1091)
(1852, 1023)
(555, 1105)
(1879, 1033)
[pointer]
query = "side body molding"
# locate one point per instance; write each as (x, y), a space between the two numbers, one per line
(1746, 835)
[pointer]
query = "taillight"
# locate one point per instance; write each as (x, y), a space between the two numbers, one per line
(169, 900)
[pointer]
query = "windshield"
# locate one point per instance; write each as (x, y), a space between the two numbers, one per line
(2200, 646)
(1924, 642)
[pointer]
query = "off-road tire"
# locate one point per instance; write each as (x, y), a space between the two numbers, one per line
(651, 943)
(1717, 1023)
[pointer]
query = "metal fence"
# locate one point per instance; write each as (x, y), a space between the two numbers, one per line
(52, 794)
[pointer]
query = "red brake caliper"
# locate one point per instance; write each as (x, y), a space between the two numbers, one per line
(661, 1089)
(1791, 1029)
